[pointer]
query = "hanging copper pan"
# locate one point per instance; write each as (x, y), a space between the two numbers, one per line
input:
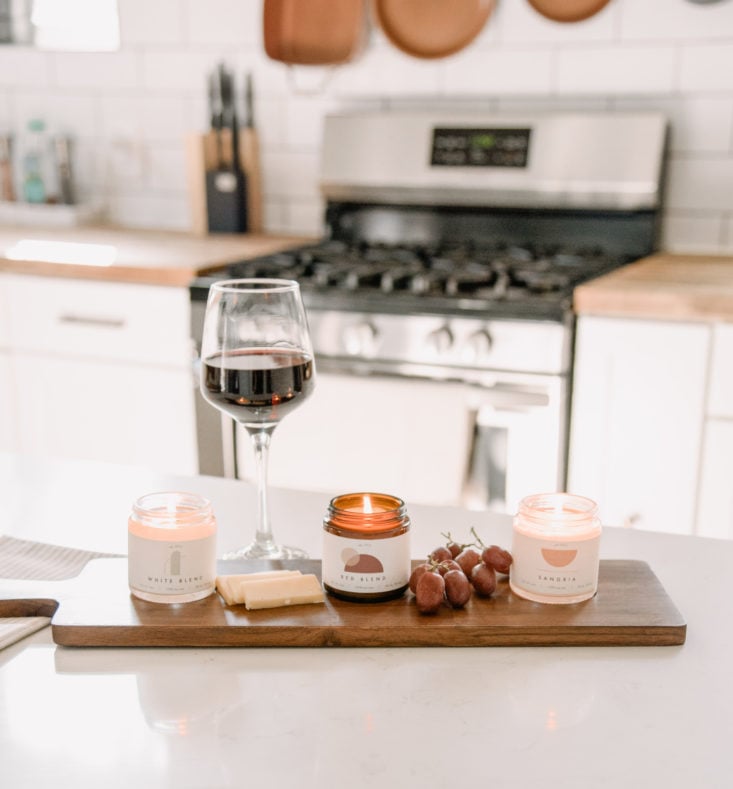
(314, 32)
(568, 10)
(431, 28)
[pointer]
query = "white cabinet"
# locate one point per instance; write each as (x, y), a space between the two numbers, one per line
(368, 433)
(102, 371)
(7, 426)
(715, 502)
(715, 507)
(637, 420)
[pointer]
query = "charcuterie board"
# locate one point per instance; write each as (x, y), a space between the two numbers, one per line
(96, 610)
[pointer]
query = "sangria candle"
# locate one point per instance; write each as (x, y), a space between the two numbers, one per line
(171, 548)
(366, 547)
(555, 545)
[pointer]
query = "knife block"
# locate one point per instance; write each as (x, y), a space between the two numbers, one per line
(202, 174)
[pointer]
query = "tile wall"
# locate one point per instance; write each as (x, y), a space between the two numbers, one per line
(130, 110)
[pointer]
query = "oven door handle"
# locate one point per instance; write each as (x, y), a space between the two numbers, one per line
(485, 483)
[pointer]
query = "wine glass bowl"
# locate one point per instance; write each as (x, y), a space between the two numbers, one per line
(257, 367)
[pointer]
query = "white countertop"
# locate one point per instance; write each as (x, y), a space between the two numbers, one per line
(528, 717)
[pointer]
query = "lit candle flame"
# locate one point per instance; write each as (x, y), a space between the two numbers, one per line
(368, 504)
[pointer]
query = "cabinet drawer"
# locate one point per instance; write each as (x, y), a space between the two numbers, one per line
(720, 393)
(138, 323)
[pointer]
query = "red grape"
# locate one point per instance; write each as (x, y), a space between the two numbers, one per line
(483, 578)
(497, 558)
(468, 558)
(416, 573)
(440, 554)
(457, 588)
(429, 593)
(448, 564)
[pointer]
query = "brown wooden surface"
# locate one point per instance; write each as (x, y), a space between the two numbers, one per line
(663, 287)
(96, 609)
(144, 256)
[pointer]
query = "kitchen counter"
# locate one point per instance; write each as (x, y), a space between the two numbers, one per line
(515, 717)
(120, 255)
(663, 287)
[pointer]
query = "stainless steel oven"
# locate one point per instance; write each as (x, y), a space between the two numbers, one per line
(440, 300)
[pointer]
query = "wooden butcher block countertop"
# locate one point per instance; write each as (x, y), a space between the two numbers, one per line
(121, 255)
(663, 287)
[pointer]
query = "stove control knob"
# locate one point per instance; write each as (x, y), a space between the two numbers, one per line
(478, 345)
(360, 339)
(440, 340)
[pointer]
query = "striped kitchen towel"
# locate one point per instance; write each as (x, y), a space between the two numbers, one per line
(37, 561)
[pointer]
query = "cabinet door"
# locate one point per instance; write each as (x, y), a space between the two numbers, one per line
(405, 437)
(637, 420)
(7, 423)
(715, 505)
(99, 410)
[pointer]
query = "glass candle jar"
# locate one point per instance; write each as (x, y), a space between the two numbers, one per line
(366, 547)
(171, 539)
(555, 547)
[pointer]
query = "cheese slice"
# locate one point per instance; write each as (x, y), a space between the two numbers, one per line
(277, 592)
(232, 587)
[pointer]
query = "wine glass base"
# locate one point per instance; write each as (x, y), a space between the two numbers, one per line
(255, 551)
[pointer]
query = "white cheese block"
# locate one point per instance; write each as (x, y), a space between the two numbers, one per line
(277, 592)
(232, 587)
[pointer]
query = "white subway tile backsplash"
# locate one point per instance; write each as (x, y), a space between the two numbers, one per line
(151, 23)
(655, 20)
(304, 121)
(129, 111)
(234, 22)
(707, 67)
(620, 69)
(499, 73)
(103, 70)
(177, 70)
(697, 124)
(147, 117)
(306, 217)
(21, 67)
(522, 24)
(167, 167)
(683, 233)
(288, 174)
(700, 184)
(145, 210)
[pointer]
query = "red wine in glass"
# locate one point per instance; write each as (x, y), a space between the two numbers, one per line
(258, 385)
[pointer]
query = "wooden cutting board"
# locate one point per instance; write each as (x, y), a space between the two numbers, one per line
(96, 609)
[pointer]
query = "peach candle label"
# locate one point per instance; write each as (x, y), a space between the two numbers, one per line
(171, 548)
(555, 545)
(555, 569)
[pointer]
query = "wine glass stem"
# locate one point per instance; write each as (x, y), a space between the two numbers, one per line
(261, 442)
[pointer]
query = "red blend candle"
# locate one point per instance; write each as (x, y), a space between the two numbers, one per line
(366, 547)
(171, 548)
(555, 547)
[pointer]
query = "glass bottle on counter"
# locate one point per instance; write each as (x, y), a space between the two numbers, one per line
(35, 163)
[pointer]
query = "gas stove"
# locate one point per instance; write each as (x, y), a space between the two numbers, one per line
(440, 298)
(509, 280)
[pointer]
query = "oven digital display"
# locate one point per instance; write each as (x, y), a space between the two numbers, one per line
(500, 147)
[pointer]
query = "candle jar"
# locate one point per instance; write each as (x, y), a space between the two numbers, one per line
(366, 547)
(555, 548)
(171, 540)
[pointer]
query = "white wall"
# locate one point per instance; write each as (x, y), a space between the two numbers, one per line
(130, 110)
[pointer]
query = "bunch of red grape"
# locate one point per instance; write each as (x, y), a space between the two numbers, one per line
(453, 571)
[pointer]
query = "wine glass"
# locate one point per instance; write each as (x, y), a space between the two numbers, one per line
(257, 366)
